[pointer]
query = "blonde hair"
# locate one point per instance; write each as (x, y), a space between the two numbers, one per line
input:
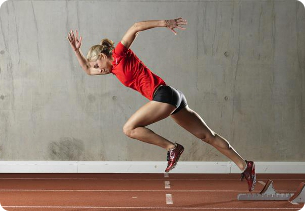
(106, 46)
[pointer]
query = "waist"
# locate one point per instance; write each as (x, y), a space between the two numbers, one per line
(157, 89)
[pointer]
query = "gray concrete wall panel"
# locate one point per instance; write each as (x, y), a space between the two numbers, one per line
(240, 63)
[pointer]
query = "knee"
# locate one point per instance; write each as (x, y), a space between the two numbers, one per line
(216, 141)
(128, 130)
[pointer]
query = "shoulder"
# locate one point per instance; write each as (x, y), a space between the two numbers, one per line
(121, 51)
(120, 48)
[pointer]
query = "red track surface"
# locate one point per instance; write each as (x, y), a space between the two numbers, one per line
(138, 192)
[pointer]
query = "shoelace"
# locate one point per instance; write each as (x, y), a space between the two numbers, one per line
(169, 153)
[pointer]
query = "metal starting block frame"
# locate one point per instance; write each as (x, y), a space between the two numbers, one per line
(269, 194)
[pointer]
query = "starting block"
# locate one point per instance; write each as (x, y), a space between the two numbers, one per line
(269, 194)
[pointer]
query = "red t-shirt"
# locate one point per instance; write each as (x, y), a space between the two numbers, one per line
(131, 71)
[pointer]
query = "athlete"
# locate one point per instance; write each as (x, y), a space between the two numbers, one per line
(165, 100)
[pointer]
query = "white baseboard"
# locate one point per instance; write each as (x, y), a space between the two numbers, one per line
(144, 167)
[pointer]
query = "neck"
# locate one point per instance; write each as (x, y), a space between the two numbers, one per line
(110, 61)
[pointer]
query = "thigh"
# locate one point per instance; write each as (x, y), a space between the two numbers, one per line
(192, 122)
(150, 113)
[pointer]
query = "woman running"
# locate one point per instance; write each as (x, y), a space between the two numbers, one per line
(165, 100)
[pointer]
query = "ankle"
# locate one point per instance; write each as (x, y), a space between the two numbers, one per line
(244, 167)
(171, 146)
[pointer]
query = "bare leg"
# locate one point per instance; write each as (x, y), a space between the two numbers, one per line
(192, 122)
(146, 115)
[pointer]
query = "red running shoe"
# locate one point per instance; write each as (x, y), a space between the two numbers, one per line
(173, 156)
(250, 175)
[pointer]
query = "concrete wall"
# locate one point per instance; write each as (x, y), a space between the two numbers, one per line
(241, 64)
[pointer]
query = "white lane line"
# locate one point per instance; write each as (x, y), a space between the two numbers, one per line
(167, 185)
(262, 183)
(166, 174)
(169, 199)
(146, 208)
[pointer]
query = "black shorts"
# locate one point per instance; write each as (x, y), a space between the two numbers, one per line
(170, 95)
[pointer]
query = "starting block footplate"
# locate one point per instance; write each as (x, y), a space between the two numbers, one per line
(265, 197)
(269, 194)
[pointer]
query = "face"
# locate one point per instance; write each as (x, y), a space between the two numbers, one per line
(102, 64)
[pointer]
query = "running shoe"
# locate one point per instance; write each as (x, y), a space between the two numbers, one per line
(249, 175)
(173, 156)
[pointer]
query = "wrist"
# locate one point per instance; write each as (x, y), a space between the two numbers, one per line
(166, 23)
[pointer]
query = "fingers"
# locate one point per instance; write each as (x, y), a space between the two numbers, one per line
(73, 39)
(180, 21)
(76, 37)
(179, 27)
(71, 36)
(174, 31)
(176, 23)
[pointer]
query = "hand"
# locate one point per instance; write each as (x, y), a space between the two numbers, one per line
(74, 41)
(175, 23)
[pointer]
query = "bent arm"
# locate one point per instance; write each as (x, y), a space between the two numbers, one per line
(84, 64)
(132, 32)
(76, 44)
(145, 25)
(82, 61)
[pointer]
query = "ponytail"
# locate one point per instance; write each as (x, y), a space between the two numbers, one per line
(106, 46)
(107, 43)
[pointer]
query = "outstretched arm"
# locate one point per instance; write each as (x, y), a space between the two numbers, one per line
(145, 25)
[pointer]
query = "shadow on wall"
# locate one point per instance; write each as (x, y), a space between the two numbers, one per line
(66, 149)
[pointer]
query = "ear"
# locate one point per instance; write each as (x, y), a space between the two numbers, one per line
(103, 56)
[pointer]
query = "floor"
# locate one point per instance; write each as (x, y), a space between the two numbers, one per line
(139, 192)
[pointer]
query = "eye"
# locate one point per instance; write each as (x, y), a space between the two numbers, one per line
(95, 66)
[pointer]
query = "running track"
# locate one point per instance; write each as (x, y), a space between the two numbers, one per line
(138, 192)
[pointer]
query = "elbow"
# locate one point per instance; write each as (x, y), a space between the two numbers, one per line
(90, 72)
(87, 70)
(136, 27)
